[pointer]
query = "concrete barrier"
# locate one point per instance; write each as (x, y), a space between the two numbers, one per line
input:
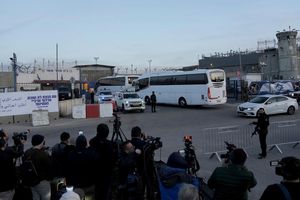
(40, 118)
(22, 118)
(6, 120)
(65, 107)
(78, 112)
(92, 111)
(106, 110)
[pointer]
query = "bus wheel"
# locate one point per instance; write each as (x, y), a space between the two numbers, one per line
(147, 100)
(182, 102)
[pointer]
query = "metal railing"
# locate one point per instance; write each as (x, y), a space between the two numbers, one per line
(211, 140)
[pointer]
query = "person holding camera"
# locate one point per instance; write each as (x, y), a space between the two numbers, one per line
(130, 181)
(232, 182)
(42, 163)
(262, 130)
(289, 188)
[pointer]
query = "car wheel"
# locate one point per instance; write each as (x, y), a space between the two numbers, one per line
(182, 102)
(291, 110)
(142, 110)
(259, 111)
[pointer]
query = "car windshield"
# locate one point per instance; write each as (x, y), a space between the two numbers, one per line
(259, 100)
(105, 93)
(131, 96)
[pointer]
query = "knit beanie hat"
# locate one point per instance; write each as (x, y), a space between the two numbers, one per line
(37, 139)
(81, 141)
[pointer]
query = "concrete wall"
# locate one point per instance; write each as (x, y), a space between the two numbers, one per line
(65, 107)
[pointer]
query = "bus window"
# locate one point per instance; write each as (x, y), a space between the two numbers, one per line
(217, 76)
(197, 79)
(143, 83)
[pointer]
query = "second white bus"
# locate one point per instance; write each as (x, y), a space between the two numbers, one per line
(198, 87)
(116, 83)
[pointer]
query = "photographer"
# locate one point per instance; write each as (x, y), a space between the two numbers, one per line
(7, 166)
(289, 169)
(232, 181)
(137, 138)
(130, 181)
(106, 161)
(262, 130)
(43, 166)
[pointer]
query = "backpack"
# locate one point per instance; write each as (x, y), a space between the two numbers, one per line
(29, 175)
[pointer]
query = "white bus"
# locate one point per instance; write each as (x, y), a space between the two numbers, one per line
(116, 83)
(198, 87)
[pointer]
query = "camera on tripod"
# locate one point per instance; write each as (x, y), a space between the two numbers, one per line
(189, 155)
(153, 143)
(18, 137)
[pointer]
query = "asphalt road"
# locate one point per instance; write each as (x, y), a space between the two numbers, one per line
(171, 123)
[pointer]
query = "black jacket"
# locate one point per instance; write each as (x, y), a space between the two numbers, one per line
(8, 171)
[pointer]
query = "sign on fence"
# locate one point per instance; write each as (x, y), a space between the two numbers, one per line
(21, 103)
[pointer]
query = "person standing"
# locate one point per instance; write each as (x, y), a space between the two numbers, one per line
(43, 165)
(288, 188)
(262, 129)
(8, 177)
(106, 162)
(153, 102)
(233, 181)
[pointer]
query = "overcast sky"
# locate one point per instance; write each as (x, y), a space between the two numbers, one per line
(132, 32)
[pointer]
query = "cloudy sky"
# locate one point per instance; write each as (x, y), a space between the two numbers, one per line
(132, 32)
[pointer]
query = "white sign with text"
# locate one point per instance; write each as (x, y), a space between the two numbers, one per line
(22, 103)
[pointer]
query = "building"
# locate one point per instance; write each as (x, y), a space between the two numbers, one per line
(281, 62)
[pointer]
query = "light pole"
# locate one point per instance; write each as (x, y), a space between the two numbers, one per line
(150, 65)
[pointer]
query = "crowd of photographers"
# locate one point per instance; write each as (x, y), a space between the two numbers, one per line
(104, 169)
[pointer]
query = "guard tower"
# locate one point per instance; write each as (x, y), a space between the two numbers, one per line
(287, 55)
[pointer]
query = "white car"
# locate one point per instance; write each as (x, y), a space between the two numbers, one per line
(271, 104)
(103, 96)
(127, 101)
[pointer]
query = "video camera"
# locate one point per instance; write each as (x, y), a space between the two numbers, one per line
(288, 167)
(19, 136)
(230, 148)
(153, 143)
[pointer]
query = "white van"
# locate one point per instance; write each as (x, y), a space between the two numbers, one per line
(127, 101)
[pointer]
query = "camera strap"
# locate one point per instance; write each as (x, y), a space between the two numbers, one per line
(285, 192)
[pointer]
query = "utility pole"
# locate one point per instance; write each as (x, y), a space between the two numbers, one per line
(150, 65)
(14, 67)
(56, 62)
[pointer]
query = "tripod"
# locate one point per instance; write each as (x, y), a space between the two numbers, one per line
(118, 135)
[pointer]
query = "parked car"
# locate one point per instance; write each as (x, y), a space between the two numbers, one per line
(295, 95)
(271, 104)
(127, 101)
(103, 96)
